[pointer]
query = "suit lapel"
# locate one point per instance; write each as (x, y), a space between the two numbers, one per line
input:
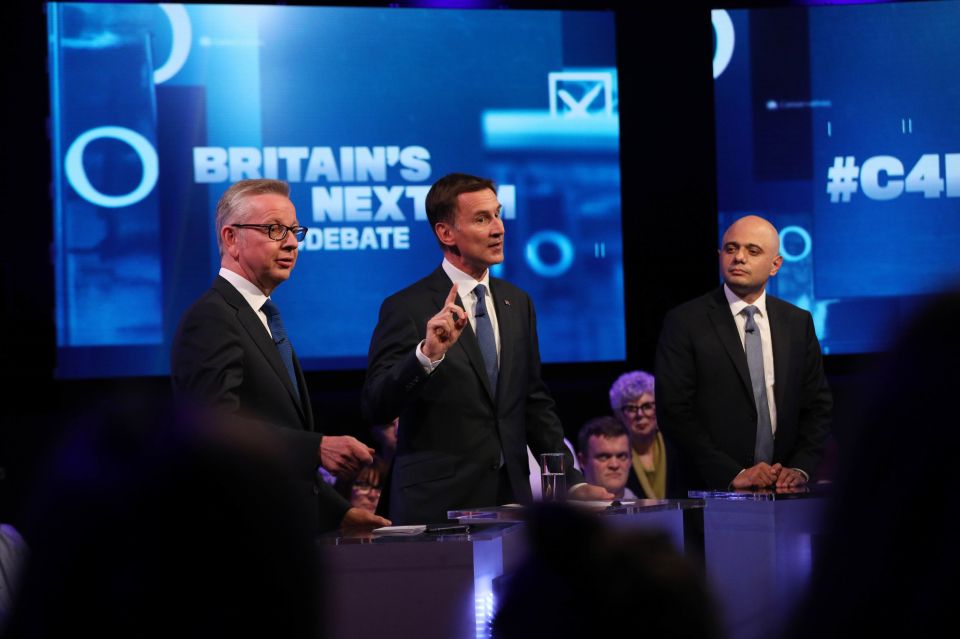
(258, 334)
(726, 328)
(507, 322)
(468, 339)
(781, 350)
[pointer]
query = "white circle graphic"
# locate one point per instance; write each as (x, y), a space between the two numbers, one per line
(807, 243)
(77, 175)
(723, 29)
(180, 49)
(562, 243)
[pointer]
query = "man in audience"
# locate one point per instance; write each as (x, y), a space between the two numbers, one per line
(605, 455)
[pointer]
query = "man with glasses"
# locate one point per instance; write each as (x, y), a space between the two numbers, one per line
(631, 400)
(741, 391)
(232, 351)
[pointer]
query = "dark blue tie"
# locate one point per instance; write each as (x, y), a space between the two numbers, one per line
(763, 448)
(280, 338)
(488, 343)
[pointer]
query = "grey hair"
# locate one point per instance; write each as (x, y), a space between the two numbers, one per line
(231, 202)
(630, 386)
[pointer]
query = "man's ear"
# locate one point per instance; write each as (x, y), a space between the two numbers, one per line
(777, 263)
(229, 237)
(444, 232)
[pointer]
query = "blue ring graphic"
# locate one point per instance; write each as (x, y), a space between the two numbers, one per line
(561, 242)
(77, 175)
(723, 28)
(180, 49)
(807, 243)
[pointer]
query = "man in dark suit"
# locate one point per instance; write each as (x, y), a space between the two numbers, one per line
(456, 356)
(740, 386)
(231, 349)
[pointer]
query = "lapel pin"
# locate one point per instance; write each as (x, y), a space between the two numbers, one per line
(506, 301)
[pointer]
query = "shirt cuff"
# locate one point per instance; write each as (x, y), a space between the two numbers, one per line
(428, 366)
(575, 486)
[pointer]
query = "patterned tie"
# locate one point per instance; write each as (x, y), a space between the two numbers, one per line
(488, 344)
(763, 448)
(281, 340)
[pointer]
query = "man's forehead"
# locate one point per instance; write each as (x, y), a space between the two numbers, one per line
(484, 200)
(745, 235)
(602, 442)
(268, 205)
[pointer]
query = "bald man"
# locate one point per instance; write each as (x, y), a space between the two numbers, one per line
(740, 388)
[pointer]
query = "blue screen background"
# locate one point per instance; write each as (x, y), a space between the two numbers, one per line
(528, 98)
(808, 87)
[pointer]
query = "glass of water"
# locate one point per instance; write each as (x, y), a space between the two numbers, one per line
(553, 481)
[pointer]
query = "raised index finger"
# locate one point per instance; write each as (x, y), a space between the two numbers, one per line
(452, 297)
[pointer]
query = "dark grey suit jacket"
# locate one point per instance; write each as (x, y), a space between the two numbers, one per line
(223, 355)
(453, 426)
(705, 404)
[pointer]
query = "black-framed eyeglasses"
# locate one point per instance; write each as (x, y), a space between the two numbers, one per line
(647, 408)
(277, 232)
(362, 488)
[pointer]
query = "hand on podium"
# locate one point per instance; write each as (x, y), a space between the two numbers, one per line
(791, 478)
(359, 518)
(761, 475)
(589, 492)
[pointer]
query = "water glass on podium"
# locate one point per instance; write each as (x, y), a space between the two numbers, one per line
(552, 477)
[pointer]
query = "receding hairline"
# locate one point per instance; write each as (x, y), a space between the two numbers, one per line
(755, 220)
(232, 205)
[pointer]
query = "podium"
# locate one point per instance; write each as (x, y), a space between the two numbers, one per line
(441, 586)
(758, 551)
(664, 515)
(426, 586)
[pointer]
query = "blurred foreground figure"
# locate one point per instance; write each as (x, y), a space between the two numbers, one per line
(891, 557)
(585, 580)
(154, 525)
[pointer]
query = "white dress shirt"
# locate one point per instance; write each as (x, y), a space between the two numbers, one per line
(254, 296)
(766, 341)
(465, 285)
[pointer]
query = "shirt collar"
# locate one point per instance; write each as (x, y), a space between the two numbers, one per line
(737, 305)
(254, 296)
(465, 283)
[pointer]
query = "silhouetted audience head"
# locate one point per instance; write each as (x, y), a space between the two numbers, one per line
(891, 557)
(150, 524)
(584, 579)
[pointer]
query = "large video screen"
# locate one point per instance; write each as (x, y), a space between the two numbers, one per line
(157, 108)
(840, 124)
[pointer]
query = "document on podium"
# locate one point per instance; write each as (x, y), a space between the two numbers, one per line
(400, 530)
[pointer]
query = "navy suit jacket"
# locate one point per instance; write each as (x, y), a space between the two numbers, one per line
(454, 429)
(705, 404)
(223, 355)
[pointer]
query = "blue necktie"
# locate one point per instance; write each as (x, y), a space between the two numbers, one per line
(488, 344)
(763, 448)
(280, 338)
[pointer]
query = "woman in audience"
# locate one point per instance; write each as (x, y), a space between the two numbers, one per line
(632, 402)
